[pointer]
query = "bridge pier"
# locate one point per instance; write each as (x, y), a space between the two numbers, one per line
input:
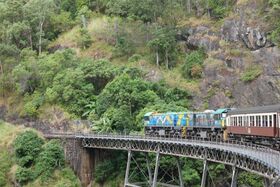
(204, 174)
(82, 160)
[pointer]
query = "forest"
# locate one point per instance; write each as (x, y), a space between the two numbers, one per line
(110, 62)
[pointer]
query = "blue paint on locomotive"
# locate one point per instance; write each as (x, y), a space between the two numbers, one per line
(187, 119)
(166, 119)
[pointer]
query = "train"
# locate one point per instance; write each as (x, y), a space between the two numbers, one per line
(253, 124)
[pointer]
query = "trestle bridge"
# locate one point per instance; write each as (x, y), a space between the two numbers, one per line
(245, 156)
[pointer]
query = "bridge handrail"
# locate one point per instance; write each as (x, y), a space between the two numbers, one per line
(175, 139)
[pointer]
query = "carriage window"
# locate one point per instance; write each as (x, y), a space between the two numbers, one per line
(270, 121)
(252, 121)
(265, 121)
(259, 121)
(245, 121)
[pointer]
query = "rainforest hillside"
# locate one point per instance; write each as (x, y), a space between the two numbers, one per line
(67, 64)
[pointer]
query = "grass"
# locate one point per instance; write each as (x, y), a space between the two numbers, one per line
(194, 21)
(60, 178)
(8, 133)
(251, 73)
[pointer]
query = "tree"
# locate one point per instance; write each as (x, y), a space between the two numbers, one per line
(123, 90)
(164, 44)
(73, 93)
(38, 12)
(51, 157)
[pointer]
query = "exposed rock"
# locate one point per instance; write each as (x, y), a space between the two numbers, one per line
(236, 30)
(222, 85)
(219, 100)
(253, 38)
(230, 31)
(199, 37)
(263, 91)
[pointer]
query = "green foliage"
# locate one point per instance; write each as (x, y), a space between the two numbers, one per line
(84, 40)
(99, 73)
(191, 172)
(36, 159)
(124, 90)
(142, 10)
(68, 179)
(26, 76)
(246, 178)
(23, 175)
(274, 20)
(70, 89)
(218, 8)
(165, 46)
(192, 67)
(251, 73)
(32, 103)
(134, 58)
(123, 46)
(51, 158)
(27, 146)
(61, 22)
(106, 170)
(5, 164)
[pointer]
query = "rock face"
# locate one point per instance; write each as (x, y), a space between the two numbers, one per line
(253, 38)
(239, 44)
(203, 37)
(265, 89)
(237, 31)
(222, 86)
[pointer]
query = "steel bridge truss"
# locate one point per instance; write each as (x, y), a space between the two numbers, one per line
(152, 177)
(248, 159)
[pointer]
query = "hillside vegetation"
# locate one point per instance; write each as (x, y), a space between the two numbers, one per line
(111, 61)
(27, 160)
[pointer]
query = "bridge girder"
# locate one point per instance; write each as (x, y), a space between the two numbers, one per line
(174, 148)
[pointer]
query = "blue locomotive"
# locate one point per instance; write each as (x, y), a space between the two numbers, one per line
(208, 124)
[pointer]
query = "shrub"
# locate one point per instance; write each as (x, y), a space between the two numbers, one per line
(192, 67)
(27, 146)
(23, 175)
(84, 40)
(123, 46)
(5, 164)
(134, 58)
(251, 73)
(196, 71)
(218, 8)
(49, 159)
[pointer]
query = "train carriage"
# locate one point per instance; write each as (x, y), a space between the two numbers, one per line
(254, 122)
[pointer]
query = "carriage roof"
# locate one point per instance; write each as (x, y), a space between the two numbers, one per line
(253, 110)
